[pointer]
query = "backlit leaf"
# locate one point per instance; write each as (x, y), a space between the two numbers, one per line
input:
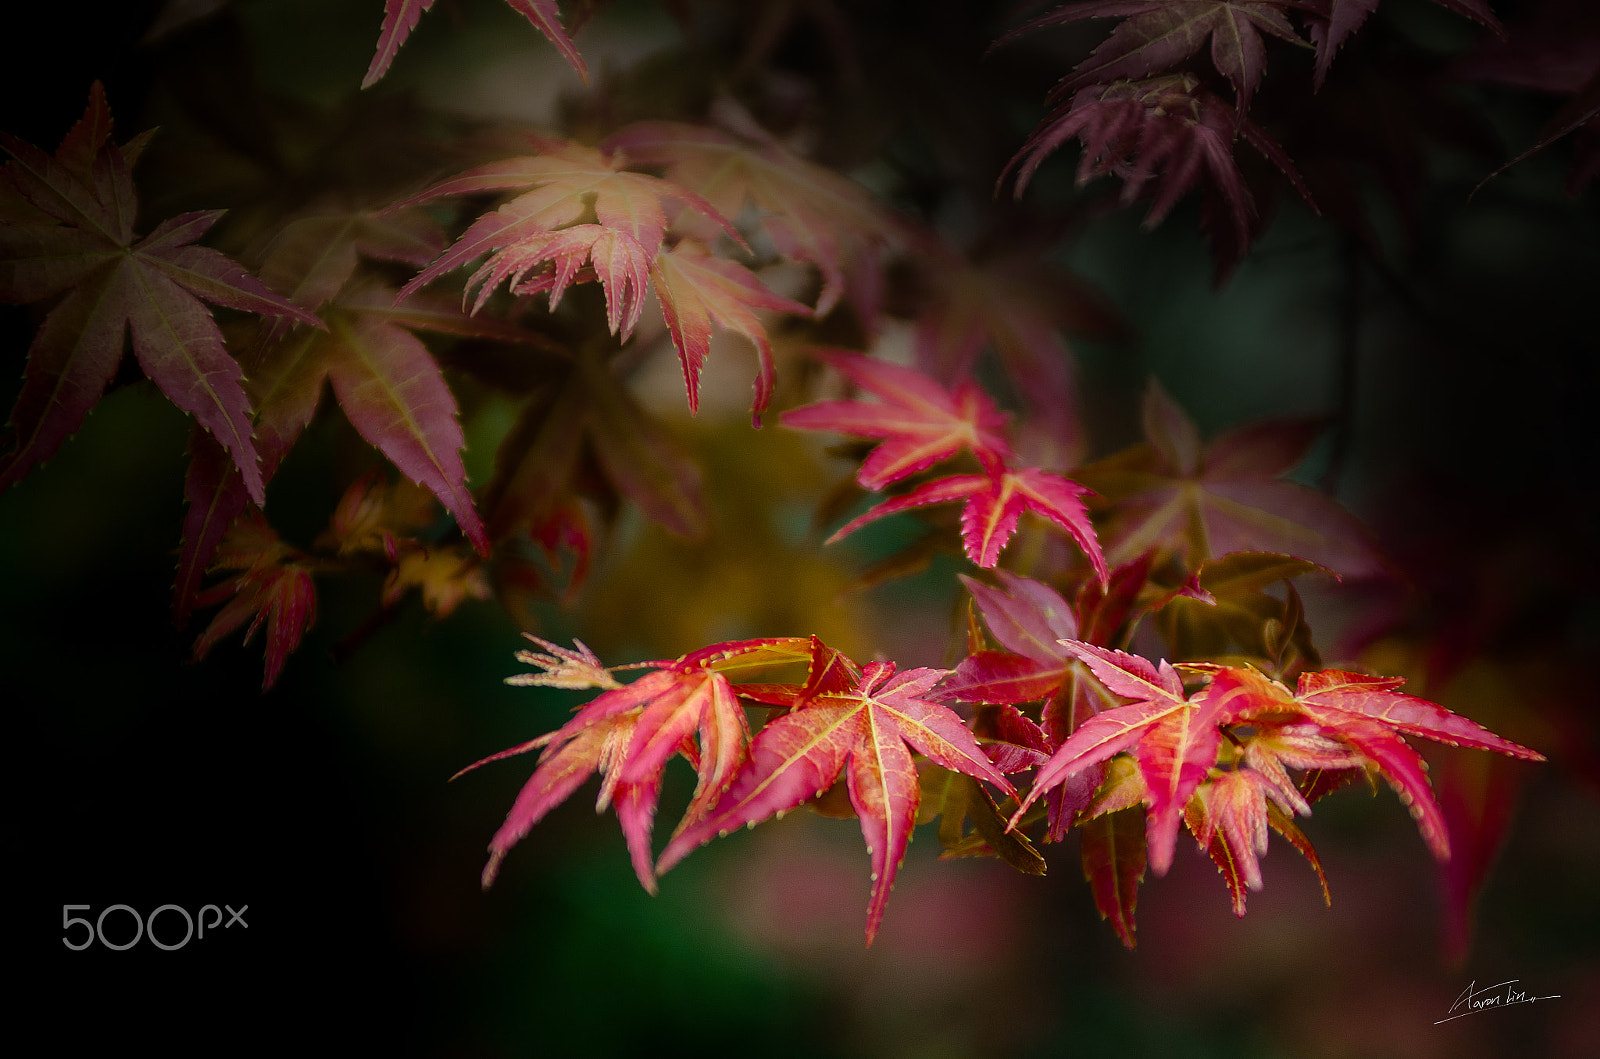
(993, 507)
(921, 423)
(698, 290)
(810, 213)
(865, 733)
(628, 733)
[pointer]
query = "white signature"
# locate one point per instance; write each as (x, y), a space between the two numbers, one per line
(1500, 995)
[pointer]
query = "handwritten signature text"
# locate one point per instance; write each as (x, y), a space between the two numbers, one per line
(1500, 995)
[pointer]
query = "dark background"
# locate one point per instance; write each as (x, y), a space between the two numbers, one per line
(144, 780)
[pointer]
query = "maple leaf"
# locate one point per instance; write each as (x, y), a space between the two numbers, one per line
(1029, 619)
(810, 213)
(929, 424)
(1112, 849)
(1333, 721)
(697, 290)
(445, 576)
(388, 385)
(76, 240)
(1158, 34)
(1016, 304)
(390, 388)
(272, 586)
(1159, 136)
(563, 184)
(400, 18)
(1032, 620)
(572, 668)
(386, 381)
(312, 259)
(1173, 738)
(1367, 718)
(1176, 495)
(375, 516)
(862, 724)
(586, 418)
(628, 734)
(993, 506)
(921, 422)
(1229, 817)
(617, 261)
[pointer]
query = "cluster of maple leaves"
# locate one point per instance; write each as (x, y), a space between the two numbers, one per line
(1145, 112)
(1173, 542)
(1117, 745)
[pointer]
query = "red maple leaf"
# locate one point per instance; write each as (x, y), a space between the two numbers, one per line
(994, 505)
(921, 423)
(630, 732)
(387, 382)
(1010, 299)
(271, 585)
(1173, 739)
(617, 260)
(1160, 137)
(400, 18)
(1030, 619)
(862, 724)
(72, 236)
(1229, 817)
(1333, 721)
(698, 290)
(1367, 718)
(924, 423)
(541, 241)
(1033, 621)
(1178, 495)
(810, 213)
(563, 185)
